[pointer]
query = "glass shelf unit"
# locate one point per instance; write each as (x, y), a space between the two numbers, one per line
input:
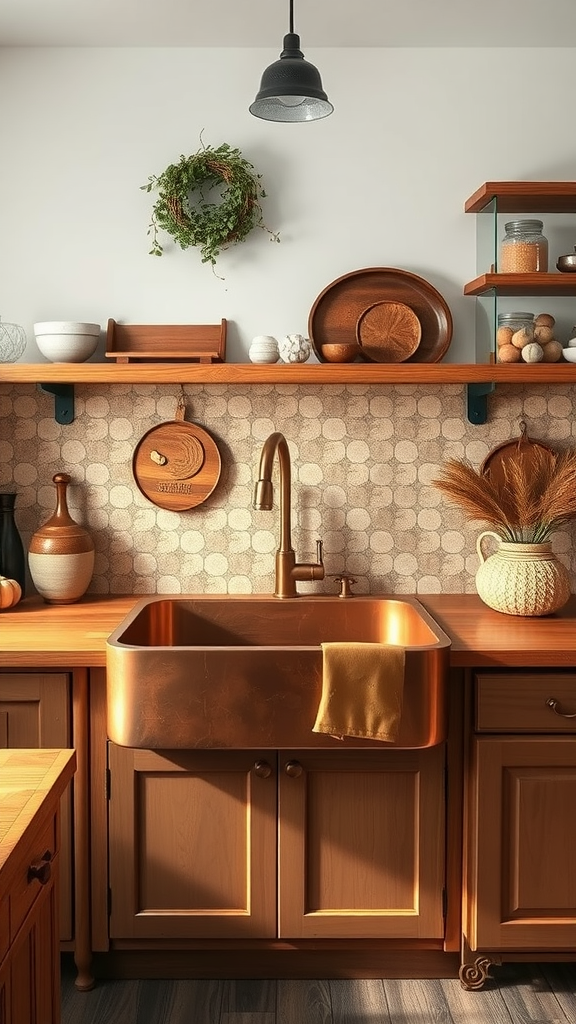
(494, 202)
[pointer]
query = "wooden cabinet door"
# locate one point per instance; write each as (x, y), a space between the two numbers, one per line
(192, 843)
(35, 966)
(522, 842)
(35, 712)
(361, 847)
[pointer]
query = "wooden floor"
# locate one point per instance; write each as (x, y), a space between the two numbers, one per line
(518, 994)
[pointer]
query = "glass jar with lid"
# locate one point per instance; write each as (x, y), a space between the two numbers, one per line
(516, 321)
(510, 324)
(524, 249)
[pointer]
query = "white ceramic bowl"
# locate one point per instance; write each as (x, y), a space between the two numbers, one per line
(569, 354)
(66, 341)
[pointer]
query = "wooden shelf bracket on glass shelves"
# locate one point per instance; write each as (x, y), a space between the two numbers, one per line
(63, 401)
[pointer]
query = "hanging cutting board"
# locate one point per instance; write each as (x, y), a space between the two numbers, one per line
(177, 464)
(519, 450)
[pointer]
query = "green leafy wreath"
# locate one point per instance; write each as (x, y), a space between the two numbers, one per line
(185, 210)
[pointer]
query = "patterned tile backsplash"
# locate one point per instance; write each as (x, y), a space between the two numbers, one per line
(363, 462)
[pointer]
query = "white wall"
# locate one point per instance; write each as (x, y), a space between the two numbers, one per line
(382, 182)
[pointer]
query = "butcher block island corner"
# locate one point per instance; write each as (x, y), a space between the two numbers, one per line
(32, 783)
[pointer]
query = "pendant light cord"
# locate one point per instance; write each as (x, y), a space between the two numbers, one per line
(291, 16)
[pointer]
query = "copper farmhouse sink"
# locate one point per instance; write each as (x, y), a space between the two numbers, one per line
(246, 671)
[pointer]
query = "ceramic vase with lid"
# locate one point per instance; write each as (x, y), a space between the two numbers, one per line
(61, 553)
(521, 579)
(264, 349)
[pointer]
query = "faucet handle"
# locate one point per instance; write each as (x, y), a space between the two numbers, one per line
(319, 552)
(345, 583)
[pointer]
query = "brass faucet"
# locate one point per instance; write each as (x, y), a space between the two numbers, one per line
(288, 570)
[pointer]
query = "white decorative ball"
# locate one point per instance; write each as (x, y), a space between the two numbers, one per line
(294, 349)
(532, 353)
(264, 349)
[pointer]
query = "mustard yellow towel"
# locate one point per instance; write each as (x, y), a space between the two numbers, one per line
(362, 689)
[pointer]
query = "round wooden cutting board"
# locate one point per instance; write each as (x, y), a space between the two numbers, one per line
(388, 332)
(520, 450)
(176, 464)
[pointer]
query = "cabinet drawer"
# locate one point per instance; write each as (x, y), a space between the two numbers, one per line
(40, 857)
(516, 703)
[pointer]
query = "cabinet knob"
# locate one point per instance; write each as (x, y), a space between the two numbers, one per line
(262, 769)
(293, 769)
(556, 708)
(41, 870)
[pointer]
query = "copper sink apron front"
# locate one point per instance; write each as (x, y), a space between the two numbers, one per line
(242, 672)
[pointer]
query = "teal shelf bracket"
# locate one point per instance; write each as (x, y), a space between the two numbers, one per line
(477, 402)
(63, 401)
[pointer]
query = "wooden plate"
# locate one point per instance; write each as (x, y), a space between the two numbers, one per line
(520, 449)
(176, 464)
(388, 332)
(335, 312)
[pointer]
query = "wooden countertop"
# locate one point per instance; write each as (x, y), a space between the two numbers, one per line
(36, 635)
(31, 782)
(482, 637)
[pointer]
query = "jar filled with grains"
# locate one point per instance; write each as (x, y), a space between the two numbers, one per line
(524, 249)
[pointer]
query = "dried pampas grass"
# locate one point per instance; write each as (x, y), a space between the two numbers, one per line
(526, 504)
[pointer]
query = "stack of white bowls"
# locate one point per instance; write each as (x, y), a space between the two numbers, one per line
(66, 341)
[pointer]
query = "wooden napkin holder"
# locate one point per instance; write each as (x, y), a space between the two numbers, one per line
(202, 343)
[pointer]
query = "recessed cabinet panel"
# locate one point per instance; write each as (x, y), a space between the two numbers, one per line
(540, 877)
(522, 883)
(35, 965)
(361, 844)
(192, 844)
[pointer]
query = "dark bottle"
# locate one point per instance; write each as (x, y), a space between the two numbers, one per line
(12, 560)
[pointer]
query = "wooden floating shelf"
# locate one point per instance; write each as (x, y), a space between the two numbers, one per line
(522, 284)
(286, 373)
(524, 197)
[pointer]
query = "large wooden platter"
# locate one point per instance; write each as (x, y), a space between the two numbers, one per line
(335, 313)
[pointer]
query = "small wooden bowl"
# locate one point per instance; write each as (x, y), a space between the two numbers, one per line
(335, 353)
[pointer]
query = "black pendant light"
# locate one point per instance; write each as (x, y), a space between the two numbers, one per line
(291, 88)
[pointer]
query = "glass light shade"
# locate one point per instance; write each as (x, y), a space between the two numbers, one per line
(291, 88)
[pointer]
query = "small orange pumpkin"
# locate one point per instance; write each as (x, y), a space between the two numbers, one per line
(10, 593)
